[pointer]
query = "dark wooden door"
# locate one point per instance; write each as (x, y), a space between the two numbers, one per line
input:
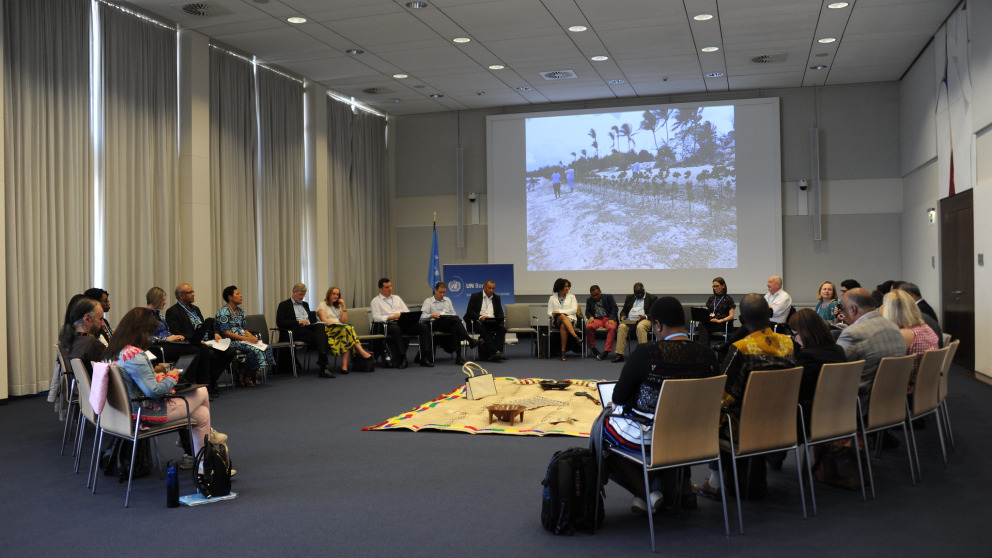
(957, 274)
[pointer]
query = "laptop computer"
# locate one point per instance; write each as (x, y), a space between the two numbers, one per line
(183, 364)
(409, 323)
(605, 390)
(700, 314)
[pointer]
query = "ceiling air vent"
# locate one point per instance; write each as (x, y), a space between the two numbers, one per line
(376, 90)
(203, 9)
(776, 58)
(559, 74)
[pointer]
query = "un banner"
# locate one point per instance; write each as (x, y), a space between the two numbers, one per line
(465, 279)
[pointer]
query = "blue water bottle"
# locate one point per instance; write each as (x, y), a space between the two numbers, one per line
(172, 485)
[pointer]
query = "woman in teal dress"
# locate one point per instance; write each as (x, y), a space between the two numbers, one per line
(230, 322)
(827, 305)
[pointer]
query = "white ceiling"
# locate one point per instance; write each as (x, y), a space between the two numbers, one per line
(652, 45)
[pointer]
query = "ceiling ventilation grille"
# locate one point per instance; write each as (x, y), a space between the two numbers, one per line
(559, 74)
(776, 58)
(203, 9)
(376, 90)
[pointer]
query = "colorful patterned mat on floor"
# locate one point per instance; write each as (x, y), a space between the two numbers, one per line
(553, 411)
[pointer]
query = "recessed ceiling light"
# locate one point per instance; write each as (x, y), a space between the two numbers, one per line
(401, 76)
(710, 49)
(715, 74)
(826, 40)
(436, 95)
(703, 17)
(837, 5)
(496, 66)
(296, 19)
(615, 81)
(416, 5)
(395, 100)
(355, 51)
(599, 58)
(818, 67)
(525, 88)
(577, 28)
(461, 40)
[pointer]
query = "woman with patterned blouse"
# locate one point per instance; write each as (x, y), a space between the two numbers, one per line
(230, 322)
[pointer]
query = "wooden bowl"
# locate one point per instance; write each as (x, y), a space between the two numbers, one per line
(506, 412)
(555, 384)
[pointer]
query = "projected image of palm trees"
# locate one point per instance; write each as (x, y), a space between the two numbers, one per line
(661, 194)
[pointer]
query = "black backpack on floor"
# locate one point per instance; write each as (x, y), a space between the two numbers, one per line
(212, 470)
(572, 493)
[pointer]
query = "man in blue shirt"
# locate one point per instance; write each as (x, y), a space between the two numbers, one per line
(438, 314)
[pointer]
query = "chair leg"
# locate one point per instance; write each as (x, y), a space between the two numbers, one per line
(940, 434)
(809, 472)
(947, 422)
(871, 478)
(96, 471)
(861, 475)
(79, 445)
(95, 455)
(647, 490)
(737, 490)
(914, 472)
(130, 473)
(799, 475)
(723, 498)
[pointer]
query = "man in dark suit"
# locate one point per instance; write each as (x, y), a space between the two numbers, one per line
(184, 318)
(294, 315)
(636, 309)
(485, 316)
(601, 311)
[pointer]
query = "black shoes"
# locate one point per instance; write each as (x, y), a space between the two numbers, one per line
(403, 364)
(496, 357)
(473, 343)
(594, 352)
(603, 356)
(326, 373)
(459, 360)
(426, 364)
(616, 359)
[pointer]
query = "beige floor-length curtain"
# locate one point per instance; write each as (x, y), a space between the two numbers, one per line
(359, 208)
(48, 173)
(140, 157)
(281, 189)
(233, 175)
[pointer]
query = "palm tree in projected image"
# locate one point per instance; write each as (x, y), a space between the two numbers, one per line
(574, 157)
(615, 135)
(650, 121)
(627, 132)
(687, 126)
(595, 143)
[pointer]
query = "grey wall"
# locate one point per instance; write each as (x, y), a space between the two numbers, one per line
(859, 143)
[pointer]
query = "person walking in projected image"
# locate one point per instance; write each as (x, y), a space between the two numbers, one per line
(570, 175)
(556, 183)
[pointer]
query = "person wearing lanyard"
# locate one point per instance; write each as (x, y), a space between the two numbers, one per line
(438, 314)
(186, 319)
(721, 307)
(563, 310)
(386, 309)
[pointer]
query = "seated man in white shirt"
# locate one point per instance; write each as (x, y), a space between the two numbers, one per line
(778, 300)
(386, 309)
(437, 311)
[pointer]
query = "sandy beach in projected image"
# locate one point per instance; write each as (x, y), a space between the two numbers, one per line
(593, 226)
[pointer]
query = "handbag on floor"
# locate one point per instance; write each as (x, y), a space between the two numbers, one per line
(479, 383)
